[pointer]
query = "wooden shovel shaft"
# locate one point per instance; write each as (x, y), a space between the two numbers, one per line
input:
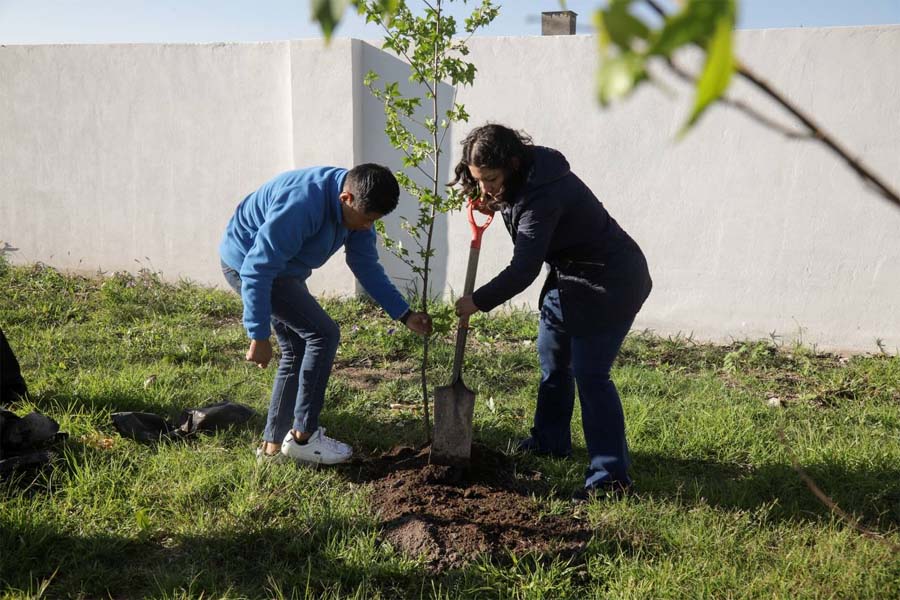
(462, 329)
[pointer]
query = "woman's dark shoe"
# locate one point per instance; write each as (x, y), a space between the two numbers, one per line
(609, 489)
(531, 446)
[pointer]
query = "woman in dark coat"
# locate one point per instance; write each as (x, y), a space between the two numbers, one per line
(597, 282)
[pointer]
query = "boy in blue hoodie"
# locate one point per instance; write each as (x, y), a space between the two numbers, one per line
(276, 237)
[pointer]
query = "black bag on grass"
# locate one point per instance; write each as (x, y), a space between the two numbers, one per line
(141, 426)
(148, 427)
(213, 417)
(24, 441)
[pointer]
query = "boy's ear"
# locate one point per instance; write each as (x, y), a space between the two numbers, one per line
(346, 197)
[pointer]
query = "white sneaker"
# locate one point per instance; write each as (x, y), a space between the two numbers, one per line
(319, 449)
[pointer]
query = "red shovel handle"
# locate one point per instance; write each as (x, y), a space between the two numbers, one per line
(477, 230)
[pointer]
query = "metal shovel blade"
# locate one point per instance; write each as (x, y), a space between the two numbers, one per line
(454, 406)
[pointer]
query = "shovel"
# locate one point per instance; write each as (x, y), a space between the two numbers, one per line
(455, 403)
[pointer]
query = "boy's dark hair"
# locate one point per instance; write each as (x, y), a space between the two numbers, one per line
(494, 146)
(374, 188)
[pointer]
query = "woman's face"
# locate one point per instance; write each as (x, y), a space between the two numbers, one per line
(491, 182)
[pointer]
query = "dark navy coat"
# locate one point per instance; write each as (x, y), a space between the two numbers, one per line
(599, 270)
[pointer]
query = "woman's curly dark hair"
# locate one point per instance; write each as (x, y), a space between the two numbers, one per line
(495, 147)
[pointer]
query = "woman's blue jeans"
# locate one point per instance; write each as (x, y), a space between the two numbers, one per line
(308, 338)
(568, 359)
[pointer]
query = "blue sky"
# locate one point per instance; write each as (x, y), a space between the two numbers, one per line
(106, 21)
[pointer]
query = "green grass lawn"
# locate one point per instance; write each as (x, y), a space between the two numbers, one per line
(719, 511)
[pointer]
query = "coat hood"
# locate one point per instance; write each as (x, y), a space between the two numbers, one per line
(549, 166)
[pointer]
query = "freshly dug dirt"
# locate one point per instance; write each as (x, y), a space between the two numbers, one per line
(449, 516)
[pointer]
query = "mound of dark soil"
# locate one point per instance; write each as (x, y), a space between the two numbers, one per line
(449, 515)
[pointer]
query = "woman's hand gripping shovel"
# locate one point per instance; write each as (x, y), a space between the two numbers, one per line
(454, 404)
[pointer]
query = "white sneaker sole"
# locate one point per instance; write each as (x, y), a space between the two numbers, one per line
(315, 463)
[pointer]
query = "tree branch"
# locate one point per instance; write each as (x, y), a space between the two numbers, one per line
(418, 167)
(446, 129)
(406, 56)
(827, 501)
(815, 131)
(818, 133)
(742, 106)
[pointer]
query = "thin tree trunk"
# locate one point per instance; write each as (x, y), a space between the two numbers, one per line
(435, 188)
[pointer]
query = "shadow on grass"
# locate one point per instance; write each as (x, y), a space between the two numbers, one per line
(301, 558)
(261, 563)
(151, 560)
(271, 562)
(870, 493)
(51, 402)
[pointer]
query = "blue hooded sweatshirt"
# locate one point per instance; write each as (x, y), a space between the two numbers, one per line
(287, 228)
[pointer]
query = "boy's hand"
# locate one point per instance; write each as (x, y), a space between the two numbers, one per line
(419, 322)
(260, 352)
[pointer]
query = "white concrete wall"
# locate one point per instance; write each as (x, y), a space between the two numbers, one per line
(375, 147)
(325, 118)
(117, 154)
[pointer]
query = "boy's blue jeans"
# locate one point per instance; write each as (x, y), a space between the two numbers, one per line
(308, 338)
(568, 360)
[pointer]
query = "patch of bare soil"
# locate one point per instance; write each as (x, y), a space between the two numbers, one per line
(363, 375)
(362, 378)
(449, 516)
